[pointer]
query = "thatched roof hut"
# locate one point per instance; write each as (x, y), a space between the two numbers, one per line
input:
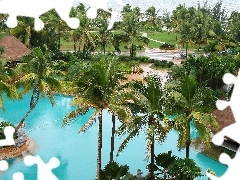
(224, 118)
(14, 49)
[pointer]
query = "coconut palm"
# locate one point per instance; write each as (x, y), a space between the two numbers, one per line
(36, 76)
(147, 105)
(98, 86)
(131, 28)
(104, 35)
(191, 103)
(6, 83)
(24, 30)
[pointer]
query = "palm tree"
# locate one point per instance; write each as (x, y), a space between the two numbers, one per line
(148, 108)
(153, 19)
(7, 83)
(190, 102)
(131, 28)
(97, 89)
(104, 35)
(24, 30)
(37, 76)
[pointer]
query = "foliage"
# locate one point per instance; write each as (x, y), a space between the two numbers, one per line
(163, 64)
(191, 102)
(163, 162)
(185, 169)
(137, 58)
(167, 46)
(4, 124)
(208, 70)
(114, 171)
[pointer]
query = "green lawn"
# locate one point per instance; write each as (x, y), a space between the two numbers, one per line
(161, 36)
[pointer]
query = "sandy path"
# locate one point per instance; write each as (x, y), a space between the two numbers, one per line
(147, 69)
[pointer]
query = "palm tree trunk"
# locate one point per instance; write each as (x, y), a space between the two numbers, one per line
(112, 137)
(151, 122)
(152, 160)
(33, 103)
(99, 161)
(186, 50)
(74, 45)
(104, 48)
(131, 51)
(188, 142)
(23, 119)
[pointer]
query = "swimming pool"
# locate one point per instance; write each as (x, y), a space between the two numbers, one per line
(78, 152)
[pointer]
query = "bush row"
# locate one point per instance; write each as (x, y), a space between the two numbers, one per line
(167, 46)
(163, 64)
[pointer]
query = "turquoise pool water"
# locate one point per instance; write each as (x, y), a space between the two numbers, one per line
(77, 152)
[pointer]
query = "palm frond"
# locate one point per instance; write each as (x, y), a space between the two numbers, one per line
(70, 117)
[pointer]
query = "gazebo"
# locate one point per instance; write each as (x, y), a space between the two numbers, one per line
(14, 50)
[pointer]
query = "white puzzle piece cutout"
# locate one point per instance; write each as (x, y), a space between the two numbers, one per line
(35, 8)
(44, 170)
(8, 132)
(232, 131)
(8, 141)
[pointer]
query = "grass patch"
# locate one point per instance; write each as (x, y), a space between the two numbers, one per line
(161, 36)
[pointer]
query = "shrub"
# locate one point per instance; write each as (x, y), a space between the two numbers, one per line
(167, 46)
(163, 64)
(137, 58)
(185, 169)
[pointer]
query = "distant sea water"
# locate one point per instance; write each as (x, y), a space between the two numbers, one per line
(169, 5)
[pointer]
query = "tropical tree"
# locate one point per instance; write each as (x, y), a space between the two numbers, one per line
(147, 106)
(36, 76)
(104, 35)
(201, 27)
(24, 30)
(185, 169)
(97, 89)
(190, 103)
(152, 18)
(114, 171)
(131, 28)
(55, 28)
(163, 162)
(7, 87)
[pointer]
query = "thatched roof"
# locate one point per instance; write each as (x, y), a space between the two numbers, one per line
(14, 49)
(224, 118)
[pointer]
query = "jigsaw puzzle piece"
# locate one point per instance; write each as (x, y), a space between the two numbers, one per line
(8, 132)
(3, 165)
(63, 9)
(44, 170)
(18, 176)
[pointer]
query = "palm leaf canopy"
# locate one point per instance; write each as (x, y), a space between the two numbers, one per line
(146, 102)
(99, 88)
(36, 72)
(188, 101)
(7, 78)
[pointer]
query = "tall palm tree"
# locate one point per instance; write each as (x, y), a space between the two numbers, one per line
(36, 76)
(24, 30)
(104, 35)
(97, 89)
(191, 102)
(131, 28)
(147, 105)
(7, 83)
